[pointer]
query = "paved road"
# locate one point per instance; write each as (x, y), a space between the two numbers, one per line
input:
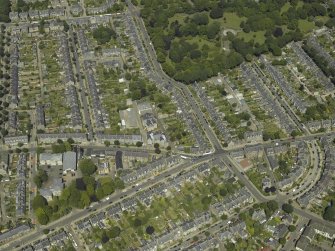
(313, 174)
(115, 198)
(82, 92)
(244, 179)
(289, 245)
(78, 214)
(179, 86)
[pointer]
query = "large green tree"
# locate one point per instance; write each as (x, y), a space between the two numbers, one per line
(87, 167)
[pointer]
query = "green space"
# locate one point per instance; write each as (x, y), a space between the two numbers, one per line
(270, 127)
(256, 231)
(133, 226)
(257, 36)
(232, 21)
(235, 117)
(56, 113)
(23, 6)
(4, 10)
(79, 194)
(285, 162)
(306, 26)
(256, 177)
(94, 3)
(104, 34)
(258, 27)
(175, 129)
(320, 111)
(329, 207)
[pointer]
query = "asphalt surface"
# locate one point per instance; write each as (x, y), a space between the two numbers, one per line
(115, 198)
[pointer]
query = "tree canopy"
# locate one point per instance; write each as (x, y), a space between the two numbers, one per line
(87, 167)
(329, 213)
(103, 34)
(288, 208)
(191, 45)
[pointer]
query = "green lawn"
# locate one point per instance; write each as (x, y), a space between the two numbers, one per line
(258, 36)
(285, 8)
(305, 26)
(179, 16)
(232, 21)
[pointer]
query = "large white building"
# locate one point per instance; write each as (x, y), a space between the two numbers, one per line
(51, 159)
(69, 162)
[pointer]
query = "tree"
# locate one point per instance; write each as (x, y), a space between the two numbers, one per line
(139, 143)
(278, 32)
(329, 213)
(58, 148)
(87, 167)
(137, 222)
(40, 150)
(42, 217)
(46, 231)
(291, 228)
(116, 142)
(70, 141)
(200, 19)
(294, 133)
(114, 232)
(213, 29)
(288, 208)
(224, 217)
(40, 177)
(157, 151)
(66, 26)
(150, 230)
(216, 13)
(85, 199)
(282, 241)
(103, 34)
(156, 145)
(39, 202)
(107, 143)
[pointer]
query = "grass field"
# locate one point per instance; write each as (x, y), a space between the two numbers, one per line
(305, 26)
(231, 21)
(179, 16)
(258, 36)
(285, 8)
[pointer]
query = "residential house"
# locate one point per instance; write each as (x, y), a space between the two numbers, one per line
(54, 137)
(253, 136)
(14, 232)
(14, 140)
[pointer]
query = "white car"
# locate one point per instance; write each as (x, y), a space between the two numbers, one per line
(75, 244)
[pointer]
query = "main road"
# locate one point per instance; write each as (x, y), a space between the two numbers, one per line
(179, 86)
(132, 191)
(76, 215)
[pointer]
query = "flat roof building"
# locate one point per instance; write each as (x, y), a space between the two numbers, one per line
(118, 160)
(69, 162)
